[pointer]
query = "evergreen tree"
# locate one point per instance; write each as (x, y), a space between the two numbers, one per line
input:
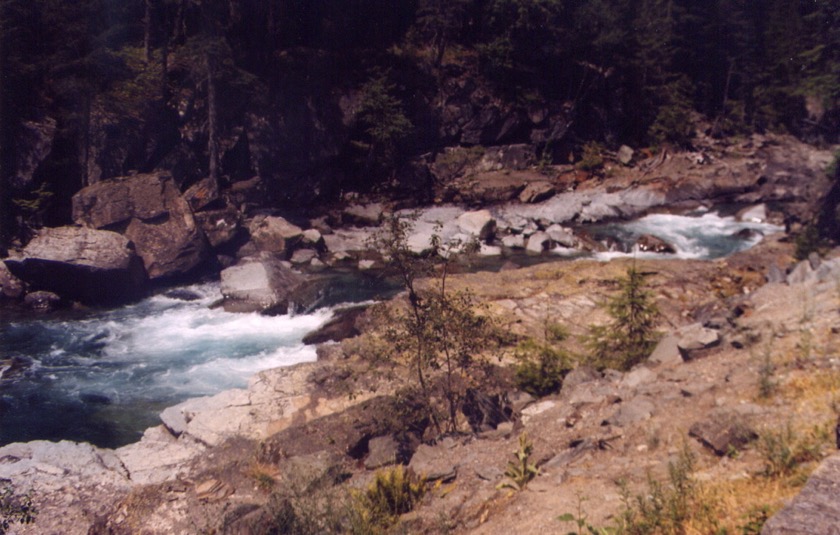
(631, 335)
(381, 127)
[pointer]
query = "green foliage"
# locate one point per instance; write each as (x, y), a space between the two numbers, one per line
(541, 367)
(673, 122)
(441, 330)
(393, 492)
(592, 158)
(583, 525)
(766, 369)
(37, 200)
(521, 471)
(382, 126)
(15, 509)
(671, 506)
(631, 336)
(756, 518)
(783, 451)
(807, 241)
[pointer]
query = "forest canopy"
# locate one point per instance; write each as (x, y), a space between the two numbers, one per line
(231, 88)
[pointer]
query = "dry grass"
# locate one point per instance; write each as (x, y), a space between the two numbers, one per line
(737, 499)
(265, 475)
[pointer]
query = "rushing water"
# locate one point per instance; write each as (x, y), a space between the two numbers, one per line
(104, 376)
(702, 235)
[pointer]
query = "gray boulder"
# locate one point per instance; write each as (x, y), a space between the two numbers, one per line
(632, 412)
(363, 215)
(220, 226)
(434, 463)
(723, 432)
(816, 510)
(536, 192)
(667, 352)
(562, 236)
(275, 234)
(801, 273)
(537, 243)
(92, 266)
(265, 284)
(148, 210)
(696, 337)
(382, 451)
(479, 223)
(71, 483)
(625, 155)
(650, 243)
(42, 301)
(753, 214)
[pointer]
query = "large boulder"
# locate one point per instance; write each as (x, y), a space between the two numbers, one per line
(816, 509)
(149, 210)
(274, 234)
(92, 266)
(479, 223)
(265, 284)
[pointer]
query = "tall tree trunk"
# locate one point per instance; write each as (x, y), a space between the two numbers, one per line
(147, 31)
(212, 126)
(164, 70)
(88, 103)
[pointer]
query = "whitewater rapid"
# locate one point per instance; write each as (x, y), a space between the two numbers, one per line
(695, 236)
(106, 376)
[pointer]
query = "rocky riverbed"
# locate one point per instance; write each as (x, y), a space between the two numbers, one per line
(202, 469)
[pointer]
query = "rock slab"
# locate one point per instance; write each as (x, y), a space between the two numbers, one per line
(816, 510)
(265, 284)
(87, 265)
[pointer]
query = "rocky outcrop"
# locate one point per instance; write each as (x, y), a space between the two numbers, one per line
(72, 484)
(149, 210)
(816, 510)
(265, 284)
(92, 266)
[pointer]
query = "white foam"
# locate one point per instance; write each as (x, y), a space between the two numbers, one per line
(708, 235)
(169, 347)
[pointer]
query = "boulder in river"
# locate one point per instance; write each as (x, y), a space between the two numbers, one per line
(652, 244)
(92, 266)
(147, 209)
(42, 301)
(275, 235)
(265, 284)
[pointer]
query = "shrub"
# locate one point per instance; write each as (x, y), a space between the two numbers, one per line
(393, 492)
(541, 368)
(521, 471)
(592, 158)
(671, 506)
(782, 451)
(440, 330)
(631, 336)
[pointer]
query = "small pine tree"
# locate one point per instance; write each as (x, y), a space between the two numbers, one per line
(631, 336)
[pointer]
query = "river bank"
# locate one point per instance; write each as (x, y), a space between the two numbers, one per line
(197, 471)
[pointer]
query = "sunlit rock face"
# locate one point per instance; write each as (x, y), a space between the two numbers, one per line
(92, 266)
(149, 210)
